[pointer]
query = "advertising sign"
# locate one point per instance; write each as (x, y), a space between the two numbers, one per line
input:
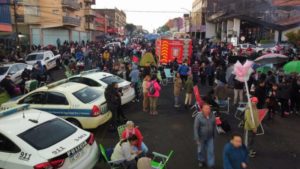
(5, 21)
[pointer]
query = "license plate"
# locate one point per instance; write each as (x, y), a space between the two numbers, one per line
(77, 152)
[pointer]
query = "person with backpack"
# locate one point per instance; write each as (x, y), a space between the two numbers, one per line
(153, 93)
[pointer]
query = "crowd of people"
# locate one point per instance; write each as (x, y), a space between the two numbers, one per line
(207, 67)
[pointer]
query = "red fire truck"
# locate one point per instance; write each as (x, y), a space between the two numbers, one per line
(167, 49)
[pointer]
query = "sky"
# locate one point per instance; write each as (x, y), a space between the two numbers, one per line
(149, 20)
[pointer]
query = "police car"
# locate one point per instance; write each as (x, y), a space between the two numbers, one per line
(33, 139)
(77, 103)
(101, 80)
(14, 70)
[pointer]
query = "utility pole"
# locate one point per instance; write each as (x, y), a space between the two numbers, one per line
(16, 24)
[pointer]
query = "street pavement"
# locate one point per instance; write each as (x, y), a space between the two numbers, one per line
(172, 129)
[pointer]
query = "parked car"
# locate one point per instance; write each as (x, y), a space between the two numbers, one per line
(47, 59)
(101, 80)
(34, 139)
(14, 70)
(77, 103)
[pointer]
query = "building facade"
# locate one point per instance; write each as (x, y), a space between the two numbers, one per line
(43, 22)
(116, 20)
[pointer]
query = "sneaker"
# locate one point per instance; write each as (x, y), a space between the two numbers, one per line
(176, 105)
(201, 164)
(251, 155)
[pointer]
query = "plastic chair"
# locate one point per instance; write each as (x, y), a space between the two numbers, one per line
(224, 105)
(162, 81)
(162, 163)
(120, 130)
(240, 110)
(4, 97)
(30, 85)
(169, 75)
(112, 164)
(262, 114)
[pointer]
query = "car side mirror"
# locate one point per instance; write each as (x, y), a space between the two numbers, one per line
(12, 73)
(47, 58)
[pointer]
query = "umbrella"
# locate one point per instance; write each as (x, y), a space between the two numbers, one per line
(292, 67)
(271, 58)
(264, 69)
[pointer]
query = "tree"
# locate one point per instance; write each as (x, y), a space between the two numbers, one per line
(294, 38)
(130, 28)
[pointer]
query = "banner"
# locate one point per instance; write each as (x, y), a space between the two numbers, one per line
(5, 20)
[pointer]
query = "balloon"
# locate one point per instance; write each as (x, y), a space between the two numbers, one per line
(243, 72)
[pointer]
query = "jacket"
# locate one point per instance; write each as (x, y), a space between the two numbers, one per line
(113, 99)
(204, 128)
(123, 152)
(189, 85)
(183, 70)
(177, 86)
(249, 125)
(127, 133)
(157, 89)
(234, 157)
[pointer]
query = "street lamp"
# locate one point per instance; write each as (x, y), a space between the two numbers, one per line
(190, 21)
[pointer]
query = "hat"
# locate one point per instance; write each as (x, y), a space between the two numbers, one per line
(254, 99)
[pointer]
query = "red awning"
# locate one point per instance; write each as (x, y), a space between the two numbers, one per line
(5, 27)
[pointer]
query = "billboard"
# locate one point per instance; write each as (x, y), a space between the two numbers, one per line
(5, 19)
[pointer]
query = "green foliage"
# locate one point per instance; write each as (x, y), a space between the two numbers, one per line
(294, 37)
(130, 28)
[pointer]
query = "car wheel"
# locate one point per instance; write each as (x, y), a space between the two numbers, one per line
(75, 122)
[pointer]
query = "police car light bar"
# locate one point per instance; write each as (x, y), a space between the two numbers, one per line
(89, 71)
(51, 85)
(13, 110)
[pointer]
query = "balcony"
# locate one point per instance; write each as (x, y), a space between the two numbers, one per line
(20, 18)
(89, 12)
(71, 21)
(71, 4)
(90, 26)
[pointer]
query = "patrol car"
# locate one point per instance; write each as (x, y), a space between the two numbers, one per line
(77, 103)
(15, 71)
(101, 80)
(47, 59)
(33, 139)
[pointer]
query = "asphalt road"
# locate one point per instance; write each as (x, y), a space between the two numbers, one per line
(172, 129)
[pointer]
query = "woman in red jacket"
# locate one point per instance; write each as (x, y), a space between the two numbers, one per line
(132, 130)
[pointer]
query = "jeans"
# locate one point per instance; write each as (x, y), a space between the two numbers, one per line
(153, 104)
(145, 101)
(144, 148)
(238, 93)
(136, 90)
(249, 139)
(195, 78)
(176, 98)
(206, 149)
(188, 99)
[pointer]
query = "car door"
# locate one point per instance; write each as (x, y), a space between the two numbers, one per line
(36, 100)
(50, 60)
(8, 150)
(13, 72)
(57, 104)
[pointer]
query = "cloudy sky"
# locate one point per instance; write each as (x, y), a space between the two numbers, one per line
(150, 19)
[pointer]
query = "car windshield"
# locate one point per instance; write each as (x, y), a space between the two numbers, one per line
(3, 70)
(34, 57)
(47, 134)
(110, 79)
(87, 95)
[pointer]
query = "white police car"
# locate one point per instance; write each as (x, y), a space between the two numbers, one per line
(101, 80)
(15, 71)
(77, 103)
(33, 139)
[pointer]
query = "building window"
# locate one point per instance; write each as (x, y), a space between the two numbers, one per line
(32, 10)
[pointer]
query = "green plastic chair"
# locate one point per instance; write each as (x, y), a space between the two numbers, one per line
(163, 160)
(120, 130)
(112, 164)
(4, 97)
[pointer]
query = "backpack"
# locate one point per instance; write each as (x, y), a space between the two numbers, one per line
(152, 88)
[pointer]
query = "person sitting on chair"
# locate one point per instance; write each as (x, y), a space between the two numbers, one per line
(131, 130)
(124, 151)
